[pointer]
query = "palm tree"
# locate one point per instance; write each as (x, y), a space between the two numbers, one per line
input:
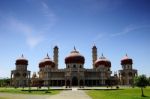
(141, 81)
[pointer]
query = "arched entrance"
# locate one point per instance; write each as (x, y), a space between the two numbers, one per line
(81, 83)
(68, 83)
(74, 81)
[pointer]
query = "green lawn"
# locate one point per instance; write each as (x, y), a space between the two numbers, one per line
(126, 93)
(3, 98)
(18, 91)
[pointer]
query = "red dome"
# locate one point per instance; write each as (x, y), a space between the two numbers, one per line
(126, 60)
(46, 61)
(22, 61)
(102, 61)
(74, 57)
(41, 64)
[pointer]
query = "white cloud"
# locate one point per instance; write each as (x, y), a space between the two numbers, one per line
(126, 30)
(45, 6)
(46, 10)
(98, 37)
(32, 36)
(34, 41)
(48, 13)
(19, 26)
(129, 29)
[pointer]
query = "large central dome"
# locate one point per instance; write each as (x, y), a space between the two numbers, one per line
(74, 57)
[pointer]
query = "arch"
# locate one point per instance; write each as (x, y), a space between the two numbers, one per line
(24, 74)
(17, 74)
(68, 83)
(130, 73)
(74, 66)
(81, 83)
(74, 81)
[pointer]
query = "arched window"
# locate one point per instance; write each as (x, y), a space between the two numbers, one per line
(80, 66)
(68, 66)
(130, 73)
(24, 74)
(17, 74)
(123, 74)
(74, 66)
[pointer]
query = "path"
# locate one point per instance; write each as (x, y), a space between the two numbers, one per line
(71, 94)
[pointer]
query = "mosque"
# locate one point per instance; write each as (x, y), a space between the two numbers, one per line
(74, 74)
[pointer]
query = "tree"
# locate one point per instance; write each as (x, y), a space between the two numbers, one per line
(141, 81)
(149, 81)
(4, 82)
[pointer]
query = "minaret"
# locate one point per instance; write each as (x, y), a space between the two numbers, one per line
(94, 54)
(55, 57)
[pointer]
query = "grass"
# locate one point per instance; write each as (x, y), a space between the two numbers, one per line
(19, 91)
(126, 93)
(3, 98)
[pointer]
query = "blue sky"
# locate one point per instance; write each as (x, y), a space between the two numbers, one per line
(34, 27)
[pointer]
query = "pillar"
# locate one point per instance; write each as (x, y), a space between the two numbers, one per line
(94, 54)
(55, 57)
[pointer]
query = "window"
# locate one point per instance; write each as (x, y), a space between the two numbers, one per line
(123, 74)
(68, 66)
(24, 74)
(17, 74)
(74, 66)
(80, 66)
(130, 73)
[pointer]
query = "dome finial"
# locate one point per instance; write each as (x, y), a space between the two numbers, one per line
(55, 47)
(74, 48)
(22, 56)
(94, 46)
(47, 55)
(126, 54)
(102, 54)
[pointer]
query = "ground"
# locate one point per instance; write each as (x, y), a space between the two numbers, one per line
(65, 94)
(95, 93)
(125, 93)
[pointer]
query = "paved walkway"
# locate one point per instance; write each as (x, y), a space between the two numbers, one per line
(66, 94)
(71, 94)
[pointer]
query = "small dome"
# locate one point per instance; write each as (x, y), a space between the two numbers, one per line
(74, 57)
(41, 64)
(22, 61)
(46, 61)
(102, 61)
(56, 47)
(126, 60)
(94, 47)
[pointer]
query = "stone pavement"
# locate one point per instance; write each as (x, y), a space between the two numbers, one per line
(70, 94)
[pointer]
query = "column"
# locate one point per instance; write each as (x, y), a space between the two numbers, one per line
(65, 83)
(11, 79)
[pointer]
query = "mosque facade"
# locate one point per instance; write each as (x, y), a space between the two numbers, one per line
(75, 73)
